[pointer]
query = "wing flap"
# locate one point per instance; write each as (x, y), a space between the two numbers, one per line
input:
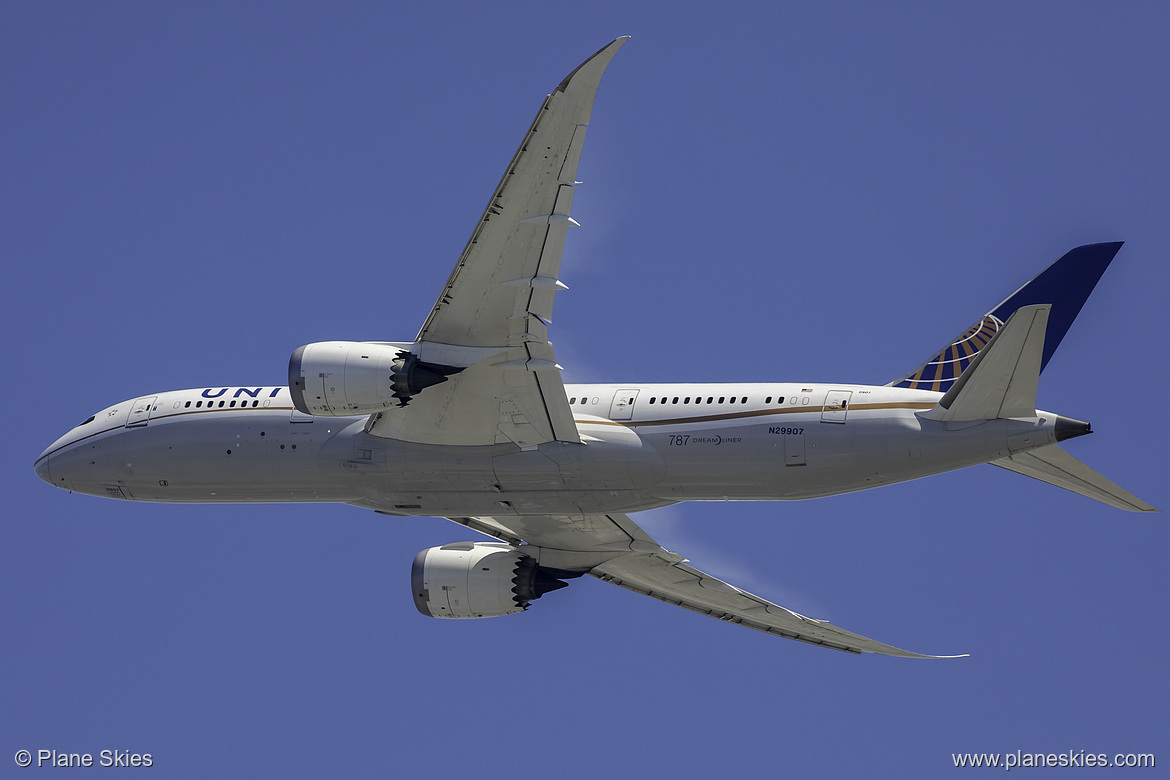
(608, 535)
(560, 415)
(514, 397)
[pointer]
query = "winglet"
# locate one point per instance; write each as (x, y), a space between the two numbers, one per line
(1066, 284)
(598, 61)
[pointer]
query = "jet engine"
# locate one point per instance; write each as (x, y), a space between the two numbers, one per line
(478, 579)
(346, 378)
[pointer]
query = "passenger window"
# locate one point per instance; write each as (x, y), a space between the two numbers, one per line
(675, 401)
(721, 399)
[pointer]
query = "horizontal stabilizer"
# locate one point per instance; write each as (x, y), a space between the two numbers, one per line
(1001, 381)
(1053, 465)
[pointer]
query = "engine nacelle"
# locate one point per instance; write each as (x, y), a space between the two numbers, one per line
(347, 378)
(477, 579)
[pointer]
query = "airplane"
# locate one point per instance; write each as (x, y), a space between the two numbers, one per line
(472, 421)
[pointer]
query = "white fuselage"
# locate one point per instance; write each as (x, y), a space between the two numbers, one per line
(644, 446)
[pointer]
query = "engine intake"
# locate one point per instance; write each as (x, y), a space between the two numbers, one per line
(347, 378)
(478, 579)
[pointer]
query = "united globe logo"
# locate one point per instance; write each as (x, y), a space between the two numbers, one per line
(940, 372)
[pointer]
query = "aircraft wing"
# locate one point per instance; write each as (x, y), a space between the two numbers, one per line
(509, 269)
(492, 315)
(613, 548)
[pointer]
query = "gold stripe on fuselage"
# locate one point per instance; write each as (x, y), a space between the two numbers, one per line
(754, 413)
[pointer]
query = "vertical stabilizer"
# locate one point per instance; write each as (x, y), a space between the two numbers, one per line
(1066, 285)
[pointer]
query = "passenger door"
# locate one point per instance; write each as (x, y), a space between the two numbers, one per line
(622, 407)
(140, 412)
(836, 406)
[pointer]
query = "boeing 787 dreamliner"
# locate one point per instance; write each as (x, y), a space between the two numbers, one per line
(471, 421)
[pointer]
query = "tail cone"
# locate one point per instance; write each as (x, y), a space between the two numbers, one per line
(1068, 428)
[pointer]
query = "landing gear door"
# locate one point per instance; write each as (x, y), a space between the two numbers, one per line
(140, 412)
(622, 407)
(836, 406)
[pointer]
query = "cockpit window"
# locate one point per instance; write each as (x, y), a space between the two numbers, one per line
(87, 422)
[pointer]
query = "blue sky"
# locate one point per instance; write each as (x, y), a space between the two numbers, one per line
(772, 192)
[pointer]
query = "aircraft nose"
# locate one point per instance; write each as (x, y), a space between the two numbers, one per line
(42, 469)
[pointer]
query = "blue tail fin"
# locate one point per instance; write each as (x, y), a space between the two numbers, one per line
(1065, 284)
